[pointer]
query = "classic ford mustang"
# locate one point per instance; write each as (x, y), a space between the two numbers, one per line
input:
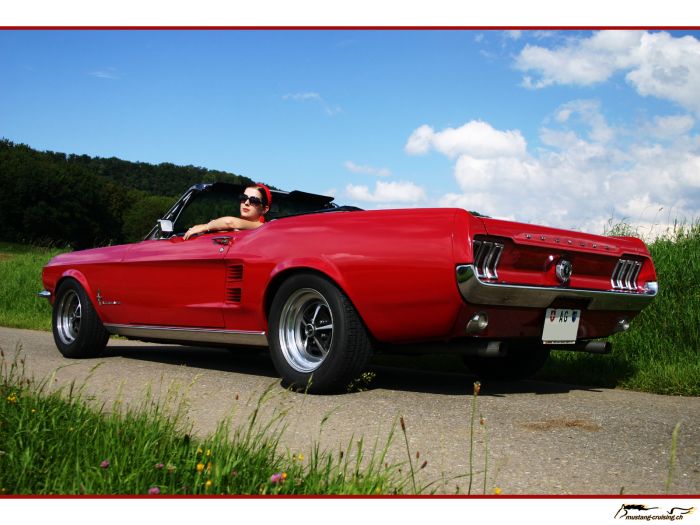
(324, 286)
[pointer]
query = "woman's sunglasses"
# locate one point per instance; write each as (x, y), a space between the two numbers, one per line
(255, 201)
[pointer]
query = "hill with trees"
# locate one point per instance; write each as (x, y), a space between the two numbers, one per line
(63, 199)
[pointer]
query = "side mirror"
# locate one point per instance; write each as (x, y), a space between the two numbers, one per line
(165, 226)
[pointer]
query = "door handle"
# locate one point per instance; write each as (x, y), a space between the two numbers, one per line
(224, 241)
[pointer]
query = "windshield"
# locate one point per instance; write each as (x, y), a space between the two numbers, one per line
(205, 202)
(204, 207)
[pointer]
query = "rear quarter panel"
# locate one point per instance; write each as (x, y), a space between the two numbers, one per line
(396, 266)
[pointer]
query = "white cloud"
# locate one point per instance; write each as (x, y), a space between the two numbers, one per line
(583, 174)
(308, 95)
(330, 109)
(671, 126)
(367, 170)
(668, 68)
(580, 61)
(586, 112)
(656, 64)
(476, 138)
(541, 34)
(386, 192)
(514, 34)
(109, 73)
(420, 140)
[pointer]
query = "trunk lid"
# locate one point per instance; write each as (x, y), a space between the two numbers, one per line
(533, 255)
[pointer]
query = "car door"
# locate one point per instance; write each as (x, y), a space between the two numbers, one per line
(171, 282)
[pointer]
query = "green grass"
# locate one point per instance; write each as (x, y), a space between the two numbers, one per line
(60, 443)
(20, 275)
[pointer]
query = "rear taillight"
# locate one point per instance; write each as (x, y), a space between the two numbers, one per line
(624, 276)
(486, 256)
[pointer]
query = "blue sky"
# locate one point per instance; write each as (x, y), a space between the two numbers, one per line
(566, 128)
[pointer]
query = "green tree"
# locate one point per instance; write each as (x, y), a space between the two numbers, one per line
(142, 215)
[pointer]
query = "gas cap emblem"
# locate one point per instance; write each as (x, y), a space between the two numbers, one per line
(564, 270)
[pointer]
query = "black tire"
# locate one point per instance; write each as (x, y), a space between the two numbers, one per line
(77, 329)
(318, 342)
(520, 362)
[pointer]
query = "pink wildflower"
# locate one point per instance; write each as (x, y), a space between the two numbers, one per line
(104, 464)
(279, 477)
(159, 466)
(154, 491)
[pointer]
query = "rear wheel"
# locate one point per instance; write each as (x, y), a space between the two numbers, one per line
(521, 361)
(317, 340)
(77, 329)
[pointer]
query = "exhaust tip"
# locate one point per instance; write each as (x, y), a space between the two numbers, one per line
(478, 323)
(623, 324)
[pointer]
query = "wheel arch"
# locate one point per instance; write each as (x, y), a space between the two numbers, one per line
(280, 276)
(78, 276)
(86, 338)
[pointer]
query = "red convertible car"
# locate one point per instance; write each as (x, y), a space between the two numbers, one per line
(324, 286)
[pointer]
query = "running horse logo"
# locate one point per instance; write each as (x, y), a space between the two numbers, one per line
(627, 508)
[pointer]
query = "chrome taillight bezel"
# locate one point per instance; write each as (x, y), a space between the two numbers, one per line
(487, 254)
(625, 274)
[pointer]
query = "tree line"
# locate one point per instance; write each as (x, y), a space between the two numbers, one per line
(52, 198)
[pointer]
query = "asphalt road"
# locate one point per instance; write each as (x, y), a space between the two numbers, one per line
(543, 438)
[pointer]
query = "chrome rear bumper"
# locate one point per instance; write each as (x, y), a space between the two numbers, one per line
(476, 291)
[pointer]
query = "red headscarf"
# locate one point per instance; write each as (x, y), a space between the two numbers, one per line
(268, 194)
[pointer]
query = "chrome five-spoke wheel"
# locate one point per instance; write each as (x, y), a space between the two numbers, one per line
(306, 330)
(77, 329)
(318, 342)
(68, 317)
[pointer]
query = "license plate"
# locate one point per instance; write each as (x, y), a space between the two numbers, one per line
(560, 326)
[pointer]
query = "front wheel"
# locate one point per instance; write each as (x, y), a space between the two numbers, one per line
(77, 329)
(318, 342)
(520, 362)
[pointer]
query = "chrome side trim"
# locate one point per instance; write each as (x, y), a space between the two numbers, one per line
(45, 294)
(476, 291)
(193, 335)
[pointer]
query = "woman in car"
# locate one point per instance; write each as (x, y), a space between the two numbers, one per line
(255, 203)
